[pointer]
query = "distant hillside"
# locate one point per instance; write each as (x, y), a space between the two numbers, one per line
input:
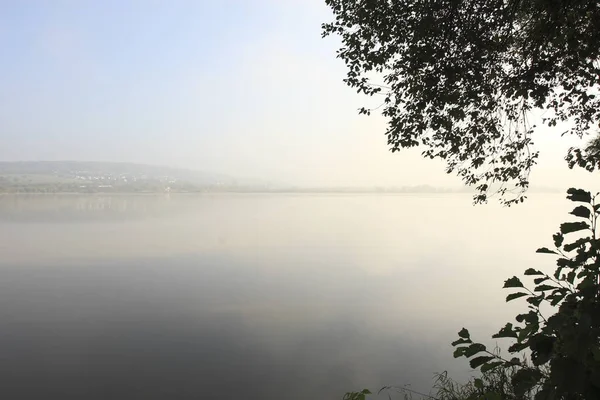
(79, 168)
(109, 177)
(79, 176)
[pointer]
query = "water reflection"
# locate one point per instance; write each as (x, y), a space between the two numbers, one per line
(192, 328)
(76, 208)
(258, 297)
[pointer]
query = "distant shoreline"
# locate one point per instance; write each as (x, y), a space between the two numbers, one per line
(106, 178)
(273, 192)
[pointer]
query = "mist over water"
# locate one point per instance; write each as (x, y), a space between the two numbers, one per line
(252, 296)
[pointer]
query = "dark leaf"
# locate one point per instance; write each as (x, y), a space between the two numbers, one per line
(558, 239)
(461, 341)
(579, 195)
(545, 250)
(576, 244)
(557, 299)
(569, 227)
(474, 349)
(513, 296)
(581, 211)
(543, 288)
(464, 333)
(459, 352)
(478, 361)
(506, 332)
(537, 281)
(535, 300)
(513, 282)
(531, 271)
(530, 317)
(565, 263)
(517, 347)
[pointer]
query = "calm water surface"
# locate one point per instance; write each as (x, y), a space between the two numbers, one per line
(251, 296)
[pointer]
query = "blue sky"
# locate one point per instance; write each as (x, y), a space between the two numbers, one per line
(247, 88)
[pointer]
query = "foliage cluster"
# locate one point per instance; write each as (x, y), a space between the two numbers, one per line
(564, 347)
(460, 78)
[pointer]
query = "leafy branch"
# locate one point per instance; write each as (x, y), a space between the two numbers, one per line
(564, 348)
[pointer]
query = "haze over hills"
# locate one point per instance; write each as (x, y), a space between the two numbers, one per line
(80, 176)
(116, 177)
(81, 169)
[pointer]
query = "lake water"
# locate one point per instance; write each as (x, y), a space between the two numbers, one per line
(252, 296)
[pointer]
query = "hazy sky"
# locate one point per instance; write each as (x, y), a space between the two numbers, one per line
(247, 88)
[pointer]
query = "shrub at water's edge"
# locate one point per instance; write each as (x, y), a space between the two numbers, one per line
(564, 344)
(555, 352)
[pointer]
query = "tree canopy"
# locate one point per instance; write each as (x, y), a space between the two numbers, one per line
(461, 78)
